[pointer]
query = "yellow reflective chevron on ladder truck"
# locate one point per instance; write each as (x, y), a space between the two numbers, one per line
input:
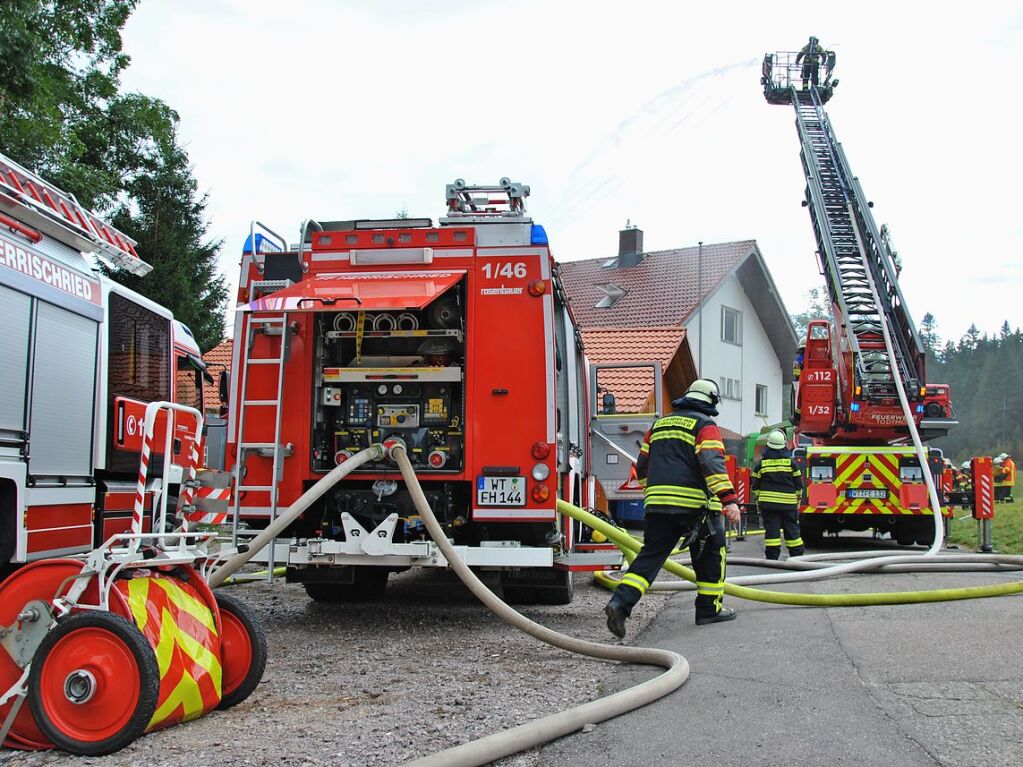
(863, 488)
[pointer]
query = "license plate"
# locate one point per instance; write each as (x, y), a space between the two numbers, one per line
(500, 491)
(866, 492)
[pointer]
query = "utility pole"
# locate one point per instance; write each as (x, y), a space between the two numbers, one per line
(699, 301)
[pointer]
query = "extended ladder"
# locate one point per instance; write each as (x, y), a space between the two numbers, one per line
(275, 449)
(841, 225)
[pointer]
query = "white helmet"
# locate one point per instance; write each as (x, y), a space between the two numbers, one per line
(966, 465)
(1001, 457)
(703, 390)
(776, 440)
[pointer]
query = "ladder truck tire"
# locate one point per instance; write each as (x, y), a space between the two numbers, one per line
(812, 531)
(242, 650)
(369, 585)
(94, 683)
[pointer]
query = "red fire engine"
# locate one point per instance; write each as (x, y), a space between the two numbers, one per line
(456, 339)
(860, 472)
(80, 358)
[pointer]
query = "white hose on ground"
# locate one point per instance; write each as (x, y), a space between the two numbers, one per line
(810, 571)
(540, 731)
(310, 496)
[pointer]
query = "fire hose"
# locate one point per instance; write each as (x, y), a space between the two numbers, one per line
(531, 734)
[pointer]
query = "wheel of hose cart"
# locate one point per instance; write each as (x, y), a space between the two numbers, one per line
(94, 683)
(242, 650)
(39, 580)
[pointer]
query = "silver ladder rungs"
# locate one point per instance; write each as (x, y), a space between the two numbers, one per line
(257, 445)
(268, 321)
(260, 402)
(255, 488)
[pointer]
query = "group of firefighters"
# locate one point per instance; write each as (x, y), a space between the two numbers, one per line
(687, 495)
(1003, 471)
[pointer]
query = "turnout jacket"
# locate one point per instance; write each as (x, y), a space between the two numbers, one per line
(681, 463)
(775, 481)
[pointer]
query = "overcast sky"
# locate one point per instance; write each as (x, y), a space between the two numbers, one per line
(643, 111)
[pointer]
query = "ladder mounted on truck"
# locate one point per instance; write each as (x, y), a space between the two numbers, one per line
(857, 260)
(39, 205)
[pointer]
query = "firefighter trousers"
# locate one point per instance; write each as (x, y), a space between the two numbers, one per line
(777, 518)
(664, 528)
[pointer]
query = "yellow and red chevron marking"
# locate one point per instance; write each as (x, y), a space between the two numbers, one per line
(180, 626)
(880, 471)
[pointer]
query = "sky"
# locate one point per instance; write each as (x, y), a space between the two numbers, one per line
(643, 112)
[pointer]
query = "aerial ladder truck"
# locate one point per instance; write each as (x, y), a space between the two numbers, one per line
(860, 472)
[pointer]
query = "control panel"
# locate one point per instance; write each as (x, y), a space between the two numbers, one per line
(426, 415)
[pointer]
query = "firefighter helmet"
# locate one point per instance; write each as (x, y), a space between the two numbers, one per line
(704, 390)
(776, 440)
(1001, 457)
(965, 465)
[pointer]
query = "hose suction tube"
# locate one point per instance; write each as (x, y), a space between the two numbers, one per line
(540, 731)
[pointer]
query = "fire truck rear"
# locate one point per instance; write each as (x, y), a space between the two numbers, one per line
(80, 358)
(455, 339)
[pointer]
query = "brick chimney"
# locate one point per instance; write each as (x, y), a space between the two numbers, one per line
(630, 246)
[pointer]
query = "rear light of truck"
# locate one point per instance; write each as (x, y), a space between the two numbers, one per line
(541, 450)
(540, 493)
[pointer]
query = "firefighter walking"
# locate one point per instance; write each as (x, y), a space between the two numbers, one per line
(776, 484)
(681, 466)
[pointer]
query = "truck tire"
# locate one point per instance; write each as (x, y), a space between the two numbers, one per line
(555, 587)
(369, 585)
(811, 531)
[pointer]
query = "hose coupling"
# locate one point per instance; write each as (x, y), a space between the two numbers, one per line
(392, 444)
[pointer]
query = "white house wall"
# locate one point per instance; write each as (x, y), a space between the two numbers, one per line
(753, 362)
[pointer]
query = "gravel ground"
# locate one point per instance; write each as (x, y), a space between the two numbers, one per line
(380, 684)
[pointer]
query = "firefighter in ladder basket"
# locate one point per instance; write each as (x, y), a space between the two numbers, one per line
(776, 484)
(681, 467)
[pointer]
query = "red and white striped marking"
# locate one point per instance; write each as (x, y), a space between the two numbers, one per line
(140, 488)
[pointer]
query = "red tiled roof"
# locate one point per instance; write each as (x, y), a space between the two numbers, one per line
(661, 290)
(632, 387)
(728, 433)
(217, 359)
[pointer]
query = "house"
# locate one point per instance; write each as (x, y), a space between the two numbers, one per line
(722, 295)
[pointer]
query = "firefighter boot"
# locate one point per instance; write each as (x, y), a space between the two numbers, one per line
(616, 617)
(724, 614)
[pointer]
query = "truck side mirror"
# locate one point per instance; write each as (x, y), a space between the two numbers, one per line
(225, 387)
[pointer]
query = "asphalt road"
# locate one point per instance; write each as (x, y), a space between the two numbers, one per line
(930, 684)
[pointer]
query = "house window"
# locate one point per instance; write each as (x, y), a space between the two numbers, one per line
(731, 325)
(612, 293)
(730, 388)
(761, 400)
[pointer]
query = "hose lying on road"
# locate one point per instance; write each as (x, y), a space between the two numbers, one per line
(630, 547)
(540, 731)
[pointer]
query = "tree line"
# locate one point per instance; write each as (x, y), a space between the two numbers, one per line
(984, 373)
(66, 117)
